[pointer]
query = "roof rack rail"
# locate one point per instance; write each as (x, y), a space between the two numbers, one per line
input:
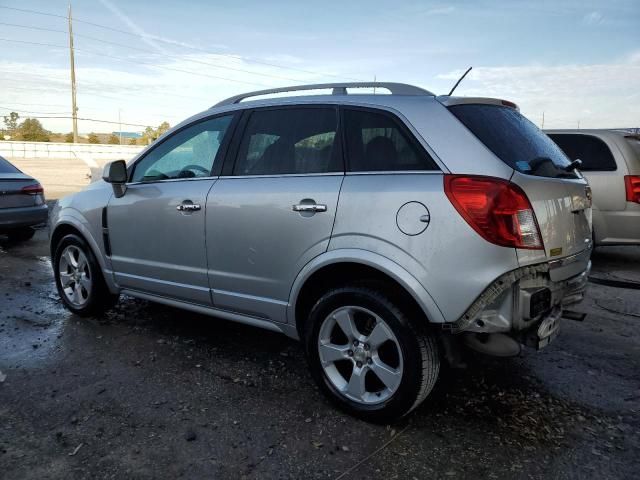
(338, 89)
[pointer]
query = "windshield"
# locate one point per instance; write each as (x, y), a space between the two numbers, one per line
(514, 139)
(6, 167)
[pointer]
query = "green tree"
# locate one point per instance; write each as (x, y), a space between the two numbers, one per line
(114, 140)
(68, 138)
(31, 130)
(11, 123)
(151, 134)
(93, 138)
(162, 128)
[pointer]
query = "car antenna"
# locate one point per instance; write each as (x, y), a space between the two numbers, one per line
(459, 80)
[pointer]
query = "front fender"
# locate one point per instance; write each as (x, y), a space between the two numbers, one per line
(370, 259)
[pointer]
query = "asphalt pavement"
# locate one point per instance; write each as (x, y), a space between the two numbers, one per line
(147, 391)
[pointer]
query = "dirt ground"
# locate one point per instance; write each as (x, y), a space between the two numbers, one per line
(147, 391)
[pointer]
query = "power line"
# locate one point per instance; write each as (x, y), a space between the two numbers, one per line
(25, 10)
(136, 62)
(93, 120)
(63, 84)
(129, 47)
(30, 111)
(38, 104)
(160, 39)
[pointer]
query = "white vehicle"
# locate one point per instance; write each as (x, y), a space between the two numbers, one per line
(611, 164)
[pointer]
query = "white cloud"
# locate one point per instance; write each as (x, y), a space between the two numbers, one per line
(593, 18)
(147, 95)
(634, 57)
(597, 95)
(444, 10)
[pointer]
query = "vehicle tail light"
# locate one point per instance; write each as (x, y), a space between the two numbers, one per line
(34, 189)
(632, 186)
(498, 210)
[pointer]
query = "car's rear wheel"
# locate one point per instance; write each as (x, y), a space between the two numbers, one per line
(21, 234)
(79, 278)
(368, 356)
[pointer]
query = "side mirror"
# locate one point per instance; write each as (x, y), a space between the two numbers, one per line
(115, 173)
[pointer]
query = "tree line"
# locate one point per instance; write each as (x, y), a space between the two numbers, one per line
(31, 130)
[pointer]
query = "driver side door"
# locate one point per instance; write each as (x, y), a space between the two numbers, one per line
(156, 230)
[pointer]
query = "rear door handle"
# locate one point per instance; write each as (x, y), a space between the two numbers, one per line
(301, 207)
(188, 207)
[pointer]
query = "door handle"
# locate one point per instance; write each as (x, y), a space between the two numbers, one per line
(309, 208)
(188, 207)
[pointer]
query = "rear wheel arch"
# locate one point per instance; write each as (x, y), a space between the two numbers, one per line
(344, 273)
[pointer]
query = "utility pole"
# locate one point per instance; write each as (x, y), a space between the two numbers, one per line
(119, 126)
(542, 127)
(74, 106)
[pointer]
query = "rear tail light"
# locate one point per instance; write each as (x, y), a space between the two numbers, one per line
(632, 186)
(34, 189)
(498, 210)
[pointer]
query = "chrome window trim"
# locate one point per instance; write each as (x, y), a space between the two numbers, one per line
(326, 174)
(167, 180)
(398, 172)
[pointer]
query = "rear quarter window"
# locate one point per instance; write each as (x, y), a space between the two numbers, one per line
(377, 142)
(594, 153)
(514, 139)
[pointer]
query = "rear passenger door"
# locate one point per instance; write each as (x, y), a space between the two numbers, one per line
(273, 208)
(391, 201)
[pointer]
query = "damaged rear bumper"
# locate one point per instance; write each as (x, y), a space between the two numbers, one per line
(524, 306)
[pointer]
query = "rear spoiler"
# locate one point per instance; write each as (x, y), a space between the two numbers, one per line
(448, 101)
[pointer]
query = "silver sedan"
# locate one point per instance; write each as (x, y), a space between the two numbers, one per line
(22, 204)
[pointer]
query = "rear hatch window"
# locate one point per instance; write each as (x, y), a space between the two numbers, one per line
(634, 166)
(514, 139)
(6, 167)
(593, 152)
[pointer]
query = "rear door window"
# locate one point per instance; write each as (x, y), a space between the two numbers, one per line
(514, 139)
(593, 152)
(283, 141)
(6, 167)
(377, 142)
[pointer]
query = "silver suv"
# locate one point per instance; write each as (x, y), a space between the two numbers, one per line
(386, 231)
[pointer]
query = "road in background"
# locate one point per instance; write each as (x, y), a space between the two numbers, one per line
(58, 176)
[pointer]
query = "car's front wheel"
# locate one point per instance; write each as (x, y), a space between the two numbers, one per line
(79, 278)
(368, 356)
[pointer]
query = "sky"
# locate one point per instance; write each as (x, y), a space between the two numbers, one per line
(142, 62)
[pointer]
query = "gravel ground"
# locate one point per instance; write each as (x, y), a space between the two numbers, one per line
(151, 392)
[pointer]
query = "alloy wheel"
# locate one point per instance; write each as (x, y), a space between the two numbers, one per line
(75, 275)
(360, 355)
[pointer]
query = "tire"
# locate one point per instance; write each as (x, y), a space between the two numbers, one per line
(85, 292)
(408, 359)
(21, 234)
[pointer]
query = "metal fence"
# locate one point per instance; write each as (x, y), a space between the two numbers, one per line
(68, 150)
